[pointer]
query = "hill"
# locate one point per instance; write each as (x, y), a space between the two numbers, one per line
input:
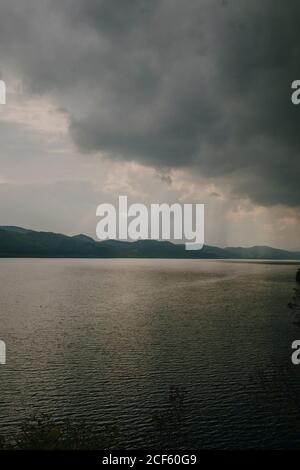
(19, 242)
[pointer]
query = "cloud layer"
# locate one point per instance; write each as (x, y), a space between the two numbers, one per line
(198, 84)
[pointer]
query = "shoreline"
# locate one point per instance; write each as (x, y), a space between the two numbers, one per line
(223, 260)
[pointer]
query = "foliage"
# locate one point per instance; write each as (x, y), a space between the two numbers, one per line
(41, 432)
(294, 305)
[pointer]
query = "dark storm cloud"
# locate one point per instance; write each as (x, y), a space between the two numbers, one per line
(203, 84)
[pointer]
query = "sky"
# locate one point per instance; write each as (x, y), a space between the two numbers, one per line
(159, 100)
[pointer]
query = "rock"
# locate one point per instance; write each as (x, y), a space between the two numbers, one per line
(298, 276)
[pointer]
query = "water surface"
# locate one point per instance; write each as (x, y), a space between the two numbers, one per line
(107, 340)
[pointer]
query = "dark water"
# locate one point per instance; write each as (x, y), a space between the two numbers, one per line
(106, 340)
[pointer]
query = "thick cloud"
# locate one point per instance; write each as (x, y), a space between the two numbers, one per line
(203, 84)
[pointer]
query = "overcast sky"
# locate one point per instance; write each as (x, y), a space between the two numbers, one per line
(162, 100)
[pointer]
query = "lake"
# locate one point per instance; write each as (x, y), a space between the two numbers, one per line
(177, 353)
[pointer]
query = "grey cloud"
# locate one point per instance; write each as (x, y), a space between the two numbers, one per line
(202, 84)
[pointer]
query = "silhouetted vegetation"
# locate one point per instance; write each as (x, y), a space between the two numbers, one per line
(294, 305)
(42, 432)
(168, 421)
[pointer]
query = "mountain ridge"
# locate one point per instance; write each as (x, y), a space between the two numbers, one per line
(27, 243)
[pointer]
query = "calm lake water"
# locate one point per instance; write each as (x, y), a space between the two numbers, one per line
(108, 341)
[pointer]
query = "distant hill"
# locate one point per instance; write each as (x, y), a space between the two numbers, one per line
(19, 242)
